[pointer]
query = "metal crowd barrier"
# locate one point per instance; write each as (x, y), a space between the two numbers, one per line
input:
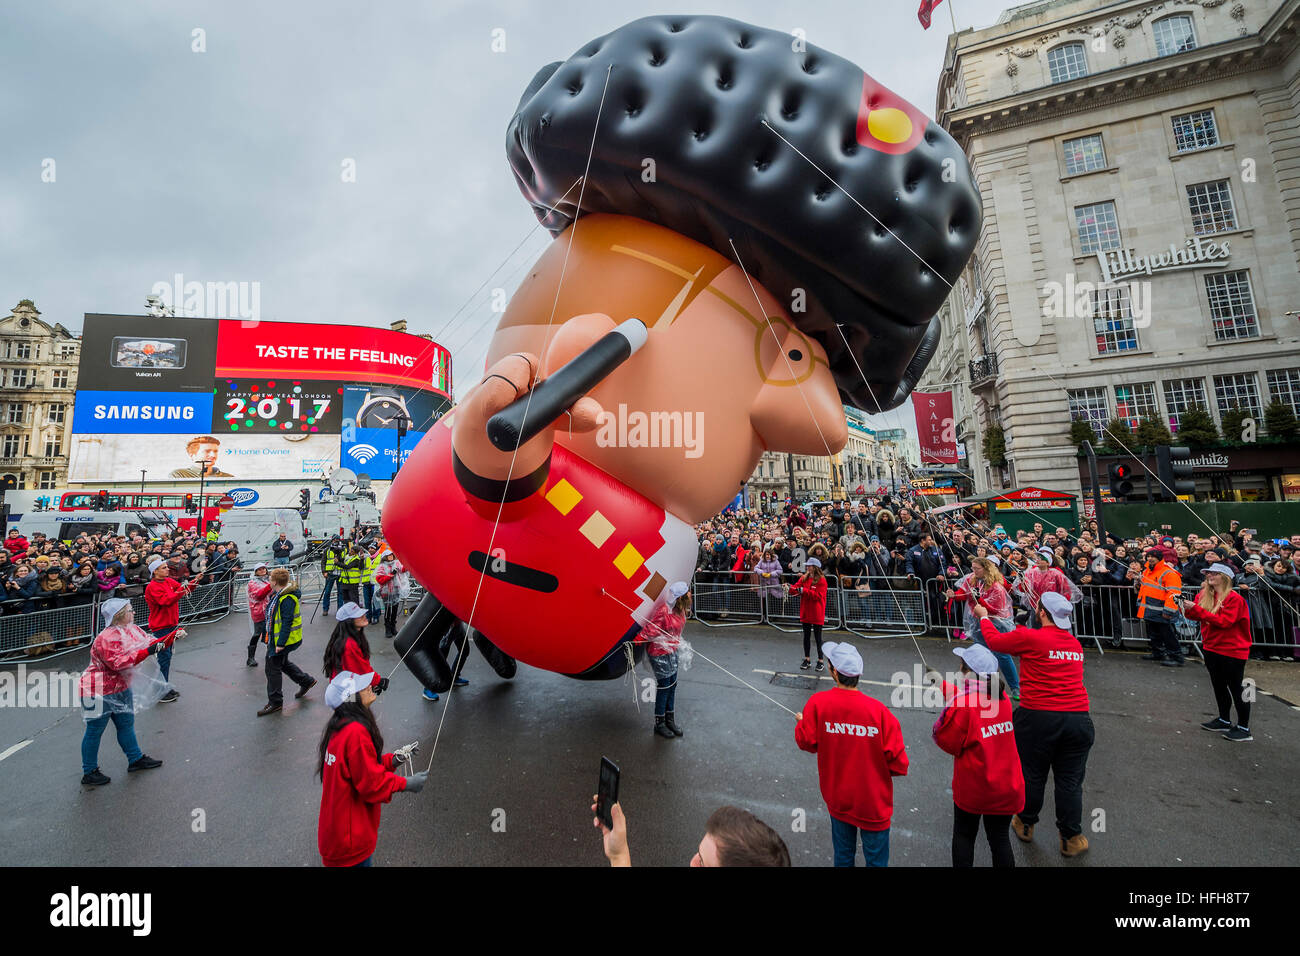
(721, 601)
(889, 604)
(57, 630)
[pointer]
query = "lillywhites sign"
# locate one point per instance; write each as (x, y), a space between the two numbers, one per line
(1195, 253)
(1209, 461)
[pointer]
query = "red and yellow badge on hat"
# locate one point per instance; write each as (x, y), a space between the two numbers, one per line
(886, 121)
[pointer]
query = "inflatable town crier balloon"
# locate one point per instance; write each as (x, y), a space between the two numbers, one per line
(715, 289)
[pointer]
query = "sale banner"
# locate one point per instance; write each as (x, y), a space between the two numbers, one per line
(935, 427)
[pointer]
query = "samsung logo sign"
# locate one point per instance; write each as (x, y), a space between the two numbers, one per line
(243, 497)
(144, 413)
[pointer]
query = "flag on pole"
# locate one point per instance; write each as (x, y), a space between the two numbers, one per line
(923, 14)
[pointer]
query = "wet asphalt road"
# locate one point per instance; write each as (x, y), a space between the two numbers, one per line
(517, 763)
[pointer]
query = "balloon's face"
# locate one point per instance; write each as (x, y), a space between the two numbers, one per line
(724, 374)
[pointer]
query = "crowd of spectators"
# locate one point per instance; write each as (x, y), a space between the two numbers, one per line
(884, 543)
(40, 574)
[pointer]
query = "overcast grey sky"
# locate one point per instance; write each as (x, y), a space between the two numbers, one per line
(225, 165)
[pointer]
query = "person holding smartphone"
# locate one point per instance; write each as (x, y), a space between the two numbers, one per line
(732, 837)
(1225, 641)
(355, 778)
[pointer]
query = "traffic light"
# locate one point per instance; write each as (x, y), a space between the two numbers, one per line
(1120, 476)
(304, 502)
(189, 504)
(1174, 471)
(102, 502)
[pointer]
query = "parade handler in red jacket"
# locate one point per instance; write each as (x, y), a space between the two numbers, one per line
(162, 595)
(1225, 642)
(859, 748)
(976, 727)
(355, 779)
(1053, 729)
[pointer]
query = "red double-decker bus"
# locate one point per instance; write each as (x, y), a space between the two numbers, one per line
(184, 507)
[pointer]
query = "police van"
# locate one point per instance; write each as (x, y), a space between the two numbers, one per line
(66, 525)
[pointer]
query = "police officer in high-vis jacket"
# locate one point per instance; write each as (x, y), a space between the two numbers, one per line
(283, 637)
(352, 566)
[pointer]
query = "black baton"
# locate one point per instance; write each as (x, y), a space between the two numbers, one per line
(508, 428)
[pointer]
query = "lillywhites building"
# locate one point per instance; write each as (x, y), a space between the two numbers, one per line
(1140, 171)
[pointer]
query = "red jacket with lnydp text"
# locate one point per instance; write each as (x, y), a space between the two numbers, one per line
(977, 731)
(355, 781)
(859, 748)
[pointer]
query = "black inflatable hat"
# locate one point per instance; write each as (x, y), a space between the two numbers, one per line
(693, 93)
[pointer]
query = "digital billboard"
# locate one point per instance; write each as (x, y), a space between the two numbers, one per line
(254, 400)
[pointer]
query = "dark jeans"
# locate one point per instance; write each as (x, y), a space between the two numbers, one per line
(390, 617)
(665, 669)
(279, 664)
(349, 592)
(809, 631)
(966, 827)
(368, 591)
(117, 708)
(1164, 642)
(1058, 741)
(1226, 676)
(844, 839)
(259, 632)
(330, 581)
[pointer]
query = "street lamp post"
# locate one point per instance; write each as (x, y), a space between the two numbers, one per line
(143, 472)
(203, 474)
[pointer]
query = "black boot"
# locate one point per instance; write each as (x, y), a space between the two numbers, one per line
(661, 728)
(672, 725)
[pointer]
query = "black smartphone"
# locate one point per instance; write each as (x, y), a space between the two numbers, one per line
(607, 792)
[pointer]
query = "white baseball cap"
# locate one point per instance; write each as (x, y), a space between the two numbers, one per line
(349, 612)
(1057, 605)
(978, 658)
(155, 564)
(111, 608)
(677, 589)
(844, 657)
(1047, 554)
(1221, 569)
(345, 686)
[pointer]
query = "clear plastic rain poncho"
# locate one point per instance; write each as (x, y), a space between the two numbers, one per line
(115, 682)
(995, 597)
(1035, 582)
(663, 632)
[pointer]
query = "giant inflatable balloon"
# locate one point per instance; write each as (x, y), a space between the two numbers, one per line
(747, 233)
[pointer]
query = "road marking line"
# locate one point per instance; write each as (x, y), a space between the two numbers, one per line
(15, 748)
(861, 680)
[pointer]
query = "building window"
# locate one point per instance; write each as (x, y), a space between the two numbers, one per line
(18, 350)
(17, 414)
(1098, 227)
(67, 351)
(17, 377)
(1241, 391)
(1232, 306)
(1181, 395)
(59, 378)
(53, 447)
(1195, 131)
(1067, 62)
(1174, 35)
(10, 446)
(1089, 404)
(45, 480)
(1112, 320)
(1284, 387)
(1212, 209)
(54, 414)
(1084, 154)
(1136, 402)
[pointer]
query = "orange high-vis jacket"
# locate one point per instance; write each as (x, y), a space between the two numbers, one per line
(1160, 588)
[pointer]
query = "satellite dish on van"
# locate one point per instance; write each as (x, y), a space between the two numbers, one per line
(342, 478)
